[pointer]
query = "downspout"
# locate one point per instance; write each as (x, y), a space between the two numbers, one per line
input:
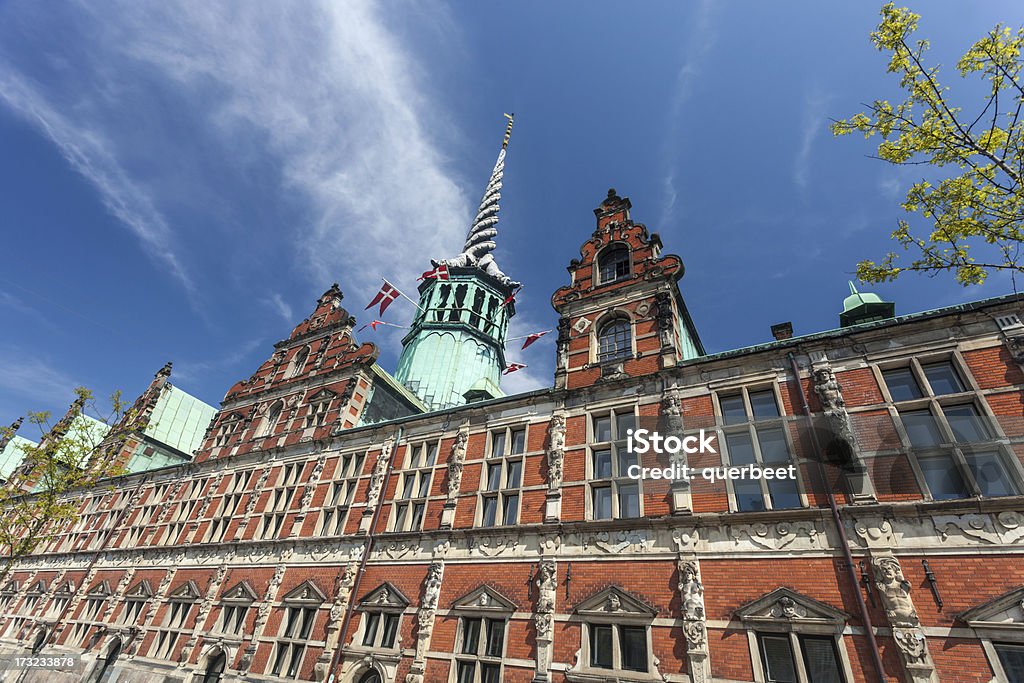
(339, 649)
(837, 519)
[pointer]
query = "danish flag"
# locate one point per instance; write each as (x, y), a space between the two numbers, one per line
(372, 325)
(530, 338)
(511, 297)
(438, 273)
(387, 294)
(512, 367)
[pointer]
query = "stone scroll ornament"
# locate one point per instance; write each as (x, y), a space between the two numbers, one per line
(894, 590)
(556, 451)
(544, 617)
(425, 620)
(380, 469)
(691, 596)
(455, 462)
(342, 596)
(261, 617)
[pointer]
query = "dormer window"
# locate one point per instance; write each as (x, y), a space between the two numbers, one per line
(614, 341)
(270, 421)
(613, 264)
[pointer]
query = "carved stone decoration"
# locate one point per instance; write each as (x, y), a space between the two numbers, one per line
(380, 469)
(1015, 345)
(841, 448)
(455, 461)
(257, 488)
(204, 609)
(544, 617)
(122, 586)
(314, 479)
(894, 590)
(425, 620)
(263, 614)
(562, 353)
(664, 319)
(342, 596)
(691, 597)
(672, 425)
(556, 451)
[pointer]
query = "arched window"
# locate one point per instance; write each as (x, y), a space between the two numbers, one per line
(299, 361)
(613, 264)
(273, 415)
(614, 341)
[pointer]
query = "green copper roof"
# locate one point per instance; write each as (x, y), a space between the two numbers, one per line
(859, 299)
(180, 420)
(12, 454)
(862, 307)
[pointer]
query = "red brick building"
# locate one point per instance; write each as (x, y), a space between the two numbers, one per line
(329, 527)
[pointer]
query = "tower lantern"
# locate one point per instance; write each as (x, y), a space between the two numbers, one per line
(455, 351)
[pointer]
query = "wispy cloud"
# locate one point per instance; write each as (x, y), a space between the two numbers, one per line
(16, 305)
(277, 302)
(88, 150)
(335, 98)
(29, 382)
(699, 41)
(189, 370)
(812, 121)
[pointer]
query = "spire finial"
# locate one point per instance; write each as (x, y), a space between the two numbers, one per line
(853, 290)
(508, 129)
(480, 240)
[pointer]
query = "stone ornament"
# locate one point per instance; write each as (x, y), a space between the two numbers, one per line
(380, 469)
(425, 620)
(556, 450)
(455, 462)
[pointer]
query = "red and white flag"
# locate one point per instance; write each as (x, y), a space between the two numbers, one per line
(512, 367)
(372, 325)
(511, 297)
(387, 294)
(439, 273)
(530, 338)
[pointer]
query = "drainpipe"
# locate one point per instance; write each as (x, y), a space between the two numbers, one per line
(837, 519)
(339, 650)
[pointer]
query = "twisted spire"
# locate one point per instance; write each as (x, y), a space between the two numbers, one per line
(480, 240)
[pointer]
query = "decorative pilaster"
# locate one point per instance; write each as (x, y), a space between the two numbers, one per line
(122, 586)
(455, 464)
(204, 610)
(691, 597)
(261, 618)
(544, 618)
(562, 353)
(556, 460)
(374, 492)
(672, 425)
(149, 611)
(308, 489)
(894, 590)
(342, 596)
(425, 620)
(841, 446)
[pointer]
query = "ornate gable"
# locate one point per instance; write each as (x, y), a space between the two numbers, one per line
(140, 591)
(484, 599)
(11, 586)
(186, 591)
(66, 588)
(322, 395)
(306, 591)
(385, 595)
(614, 602)
(240, 592)
(38, 588)
(101, 589)
(1004, 612)
(786, 606)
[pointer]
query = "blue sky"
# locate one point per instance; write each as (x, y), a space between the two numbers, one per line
(180, 181)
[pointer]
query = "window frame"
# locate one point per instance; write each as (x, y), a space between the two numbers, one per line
(599, 263)
(751, 427)
(509, 455)
(956, 453)
(615, 445)
(409, 506)
(598, 357)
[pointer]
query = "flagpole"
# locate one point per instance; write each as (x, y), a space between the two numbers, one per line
(403, 294)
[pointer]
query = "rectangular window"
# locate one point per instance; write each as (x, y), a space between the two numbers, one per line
(613, 494)
(902, 385)
(943, 478)
(479, 655)
(503, 478)
(777, 657)
(820, 660)
(990, 474)
(1012, 659)
(601, 646)
(943, 378)
(633, 641)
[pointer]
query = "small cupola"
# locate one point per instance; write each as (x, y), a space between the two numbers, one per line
(864, 307)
